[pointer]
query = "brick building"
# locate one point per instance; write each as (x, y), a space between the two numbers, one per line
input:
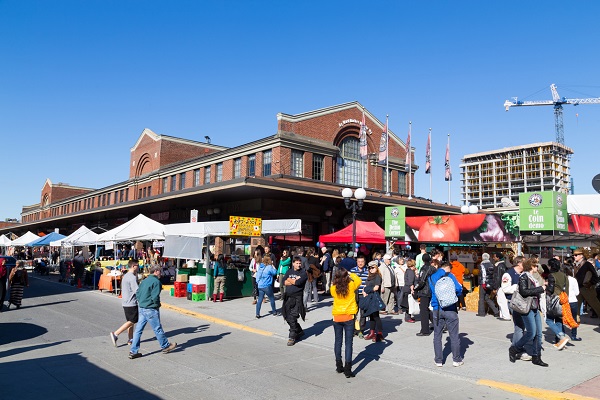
(296, 173)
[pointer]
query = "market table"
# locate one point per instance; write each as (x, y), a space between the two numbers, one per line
(106, 282)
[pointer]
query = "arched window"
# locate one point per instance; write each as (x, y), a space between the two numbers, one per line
(349, 162)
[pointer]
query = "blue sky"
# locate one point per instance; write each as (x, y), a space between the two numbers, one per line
(80, 80)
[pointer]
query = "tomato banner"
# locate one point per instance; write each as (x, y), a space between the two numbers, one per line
(460, 228)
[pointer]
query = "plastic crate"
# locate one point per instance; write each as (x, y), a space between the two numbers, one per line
(180, 285)
(189, 287)
(172, 291)
(189, 295)
(198, 296)
(198, 288)
(180, 294)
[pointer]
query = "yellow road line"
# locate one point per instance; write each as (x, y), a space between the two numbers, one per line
(532, 392)
(216, 320)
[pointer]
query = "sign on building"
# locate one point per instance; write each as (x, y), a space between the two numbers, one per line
(543, 213)
(395, 222)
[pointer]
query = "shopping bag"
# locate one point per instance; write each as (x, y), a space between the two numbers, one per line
(413, 306)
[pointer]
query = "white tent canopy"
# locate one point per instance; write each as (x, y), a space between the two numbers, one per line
(25, 239)
(584, 204)
(185, 240)
(4, 241)
(78, 238)
(139, 228)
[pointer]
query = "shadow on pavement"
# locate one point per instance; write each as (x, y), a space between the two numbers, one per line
(21, 350)
(465, 343)
(67, 377)
(372, 352)
(16, 331)
(317, 329)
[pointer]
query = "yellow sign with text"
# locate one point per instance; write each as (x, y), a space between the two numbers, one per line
(245, 226)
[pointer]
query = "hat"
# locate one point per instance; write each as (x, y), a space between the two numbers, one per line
(426, 257)
(387, 257)
(577, 251)
(323, 248)
(350, 254)
(373, 263)
(485, 256)
(453, 256)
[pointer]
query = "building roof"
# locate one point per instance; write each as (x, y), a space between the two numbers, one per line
(516, 148)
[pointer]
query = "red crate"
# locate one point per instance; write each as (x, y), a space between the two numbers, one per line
(180, 285)
(181, 293)
(199, 288)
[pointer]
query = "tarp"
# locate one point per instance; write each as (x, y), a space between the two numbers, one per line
(366, 232)
(81, 236)
(185, 240)
(4, 241)
(139, 228)
(26, 238)
(584, 204)
(45, 240)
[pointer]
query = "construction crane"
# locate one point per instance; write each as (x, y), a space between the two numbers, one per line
(557, 102)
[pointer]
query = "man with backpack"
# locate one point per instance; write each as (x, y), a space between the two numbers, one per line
(444, 298)
(486, 291)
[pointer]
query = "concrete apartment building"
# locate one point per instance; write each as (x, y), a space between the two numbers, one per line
(495, 178)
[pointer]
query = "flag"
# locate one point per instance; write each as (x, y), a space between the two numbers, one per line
(428, 155)
(383, 146)
(407, 162)
(363, 138)
(448, 174)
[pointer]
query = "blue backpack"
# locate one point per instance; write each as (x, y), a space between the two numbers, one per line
(445, 291)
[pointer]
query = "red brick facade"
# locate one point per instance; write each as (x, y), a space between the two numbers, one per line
(157, 157)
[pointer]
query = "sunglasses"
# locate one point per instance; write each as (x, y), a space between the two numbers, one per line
(372, 267)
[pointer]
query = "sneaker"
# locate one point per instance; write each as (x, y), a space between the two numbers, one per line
(257, 316)
(524, 357)
(576, 339)
(562, 343)
(169, 348)
(439, 364)
(410, 321)
(291, 342)
(457, 363)
(113, 339)
(133, 356)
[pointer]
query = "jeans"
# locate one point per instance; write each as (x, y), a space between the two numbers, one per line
(449, 319)
(533, 331)
(310, 287)
(556, 326)
(152, 316)
(340, 329)
(519, 327)
(262, 292)
(575, 312)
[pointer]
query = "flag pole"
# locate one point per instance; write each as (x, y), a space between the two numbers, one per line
(387, 157)
(449, 180)
(430, 183)
(409, 161)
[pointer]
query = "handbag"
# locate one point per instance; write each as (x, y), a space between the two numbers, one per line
(553, 306)
(520, 304)
(413, 306)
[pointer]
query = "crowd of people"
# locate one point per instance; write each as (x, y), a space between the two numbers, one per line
(429, 288)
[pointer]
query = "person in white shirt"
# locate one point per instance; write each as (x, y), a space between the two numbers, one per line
(573, 293)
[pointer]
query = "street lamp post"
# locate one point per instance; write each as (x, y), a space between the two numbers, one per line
(354, 206)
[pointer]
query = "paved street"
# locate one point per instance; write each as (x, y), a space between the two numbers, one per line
(57, 347)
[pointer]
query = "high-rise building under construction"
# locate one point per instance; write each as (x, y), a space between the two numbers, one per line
(495, 178)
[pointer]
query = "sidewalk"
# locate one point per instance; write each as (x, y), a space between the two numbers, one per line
(485, 343)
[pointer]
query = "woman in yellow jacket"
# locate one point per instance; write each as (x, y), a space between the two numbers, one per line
(344, 311)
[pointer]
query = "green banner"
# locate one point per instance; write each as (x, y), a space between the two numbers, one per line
(395, 222)
(542, 212)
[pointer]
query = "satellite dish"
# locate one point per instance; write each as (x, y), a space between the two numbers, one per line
(596, 183)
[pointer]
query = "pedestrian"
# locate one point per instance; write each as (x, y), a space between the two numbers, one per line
(254, 263)
(408, 291)
(510, 284)
(423, 291)
(344, 310)
(3, 282)
(129, 286)
(219, 283)
(17, 281)
(78, 266)
(530, 287)
(314, 273)
(148, 297)
(458, 270)
(284, 265)
(388, 285)
(399, 271)
(326, 267)
(371, 302)
(573, 293)
(362, 272)
(587, 278)
(445, 290)
(265, 272)
(419, 258)
(557, 283)
(486, 291)
(293, 306)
